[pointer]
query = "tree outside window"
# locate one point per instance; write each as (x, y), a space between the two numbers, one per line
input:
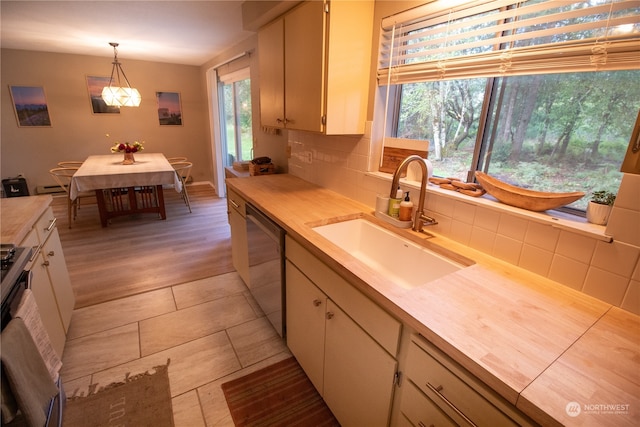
(237, 123)
(540, 94)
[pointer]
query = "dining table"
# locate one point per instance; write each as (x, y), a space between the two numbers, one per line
(125, 189)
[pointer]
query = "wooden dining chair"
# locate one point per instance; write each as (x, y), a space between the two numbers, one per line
(183, 170)
(176, 159)
(63, 177)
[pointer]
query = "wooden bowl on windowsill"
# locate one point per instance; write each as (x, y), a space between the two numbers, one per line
(532, 200)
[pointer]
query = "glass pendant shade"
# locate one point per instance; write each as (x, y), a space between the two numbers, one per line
(117, 96)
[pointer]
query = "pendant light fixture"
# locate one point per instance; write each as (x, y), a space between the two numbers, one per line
(119, 96)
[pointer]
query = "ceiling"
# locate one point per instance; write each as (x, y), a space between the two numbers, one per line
(176, 31)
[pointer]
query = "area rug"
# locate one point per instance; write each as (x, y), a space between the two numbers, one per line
(278, 395)
(140, 400)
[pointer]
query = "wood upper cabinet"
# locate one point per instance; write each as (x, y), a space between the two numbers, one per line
(315, 67)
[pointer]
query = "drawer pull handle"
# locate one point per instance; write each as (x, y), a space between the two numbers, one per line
(330, 315)
(235, 205)
(437, 391)
(317, 302)
(52, 224)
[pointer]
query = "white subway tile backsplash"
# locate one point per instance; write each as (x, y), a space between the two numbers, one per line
(568, 271)
(482, 239)
(631, 301)
(461, 231)
(444, 205)
(616, 257)
(507, 249)
(464, 212)
(536, 259)
(629, 193)
(624, 225)
(512, 227)
(487, 219)
(542, 236)
(605, 285)
(576, 246)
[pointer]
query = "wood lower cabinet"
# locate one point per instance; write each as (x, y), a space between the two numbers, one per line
(439, 392)
(50, 281)
(344, 360)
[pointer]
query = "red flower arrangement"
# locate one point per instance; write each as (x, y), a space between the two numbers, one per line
(126, 147)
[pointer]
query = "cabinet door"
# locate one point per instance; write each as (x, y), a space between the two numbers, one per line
(59, 276)
(271, 63)
(306, 306)
(239, 249)
(421, 410)
(304, 66)
(46, 301)
(358, 373)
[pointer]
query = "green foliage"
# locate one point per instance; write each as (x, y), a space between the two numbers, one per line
(603, 197)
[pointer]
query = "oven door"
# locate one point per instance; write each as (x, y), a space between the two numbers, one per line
(265, 240)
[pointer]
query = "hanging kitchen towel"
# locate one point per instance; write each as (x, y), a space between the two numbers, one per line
(27, 310)
(26, 372)
(8, 404)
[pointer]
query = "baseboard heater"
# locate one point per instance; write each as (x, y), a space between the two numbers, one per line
(49, 189)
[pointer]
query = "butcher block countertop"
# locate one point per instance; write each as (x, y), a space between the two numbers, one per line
(542, 346)
(19, 214)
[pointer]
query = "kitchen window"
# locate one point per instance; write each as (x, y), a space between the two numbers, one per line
(541, 94)
(235, 111)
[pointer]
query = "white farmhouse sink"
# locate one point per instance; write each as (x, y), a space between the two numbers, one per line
(398, 259)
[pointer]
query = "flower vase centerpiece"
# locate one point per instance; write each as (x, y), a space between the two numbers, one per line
(128, 149)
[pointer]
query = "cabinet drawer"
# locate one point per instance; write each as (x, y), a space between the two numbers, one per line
(420, 410)
(45, 225)
(236, 202)
(382, 327)
(450, 392)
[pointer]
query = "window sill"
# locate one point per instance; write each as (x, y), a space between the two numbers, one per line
(560, 220)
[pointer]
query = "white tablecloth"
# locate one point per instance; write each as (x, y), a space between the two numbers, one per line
(107, 171)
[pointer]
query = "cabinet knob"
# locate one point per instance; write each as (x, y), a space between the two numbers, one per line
(330, 315)
(46, 263)
(317, 302)
(51, 253)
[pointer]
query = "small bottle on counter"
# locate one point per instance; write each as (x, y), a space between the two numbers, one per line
(394, 204)
(406, 208)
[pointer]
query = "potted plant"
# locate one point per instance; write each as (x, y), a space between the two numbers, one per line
(599, 207)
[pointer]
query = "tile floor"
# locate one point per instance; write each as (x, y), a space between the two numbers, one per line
(211, 329)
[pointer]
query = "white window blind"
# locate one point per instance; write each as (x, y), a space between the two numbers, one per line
(507, 37)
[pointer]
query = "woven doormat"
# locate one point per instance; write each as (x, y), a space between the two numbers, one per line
(140, 400)
(278, 395)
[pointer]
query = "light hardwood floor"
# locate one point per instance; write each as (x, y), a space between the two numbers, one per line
(181, 300)
(139, 253)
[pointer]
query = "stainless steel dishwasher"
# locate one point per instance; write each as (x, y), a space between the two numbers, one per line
(265, 240)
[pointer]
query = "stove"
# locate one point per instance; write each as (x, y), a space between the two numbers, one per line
(14, 259)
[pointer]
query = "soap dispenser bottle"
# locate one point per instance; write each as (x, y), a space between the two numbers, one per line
(406, 208)
(394, 204)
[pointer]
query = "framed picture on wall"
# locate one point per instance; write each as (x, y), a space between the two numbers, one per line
(98, 106)
(30, 106)
(169, 109)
